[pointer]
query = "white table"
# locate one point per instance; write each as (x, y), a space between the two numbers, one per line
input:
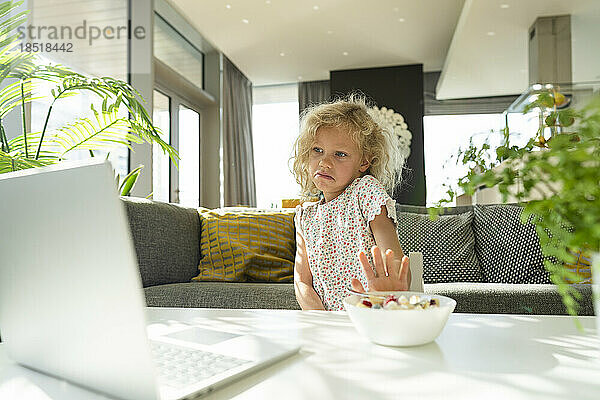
(476, 357)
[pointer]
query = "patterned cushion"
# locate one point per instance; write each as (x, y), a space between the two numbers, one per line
(447, 245)
(508, 251)
(244, 244)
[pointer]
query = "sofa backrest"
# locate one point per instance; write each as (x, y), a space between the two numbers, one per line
(423, 210)
(167, 242)
(166, 239)
(481, 243)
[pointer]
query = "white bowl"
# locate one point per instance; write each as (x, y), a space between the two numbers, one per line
(411, 327)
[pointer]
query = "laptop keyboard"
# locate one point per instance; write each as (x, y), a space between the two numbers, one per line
(180, 366)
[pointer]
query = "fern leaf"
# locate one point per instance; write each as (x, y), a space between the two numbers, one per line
(15, 161)
(88, 134)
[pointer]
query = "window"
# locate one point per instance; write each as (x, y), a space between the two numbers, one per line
(189, 151)
(61, 23)
(174, 50)
(180, 123)
(274, 129)
(445, 134)
(178, 58)
(161, 118)
(103, 53)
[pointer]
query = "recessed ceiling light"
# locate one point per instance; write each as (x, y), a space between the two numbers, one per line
(504, 5)
(315, 8)
(345, 53)
(228, 6)
(396, 9)
(282, 54)
(245, 21)
(329, 32)
(299, 77)
(491, 33)
(268, 2)
(401, 20)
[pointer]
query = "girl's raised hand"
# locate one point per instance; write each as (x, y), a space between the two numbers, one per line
(389, 276)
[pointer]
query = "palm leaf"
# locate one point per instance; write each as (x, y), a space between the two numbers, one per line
(33, 69)
(103, 132)
(151, 134)
(17, 145)
(77, 82)
(106, 129)
(141, 123)
(13, 61)
(115, 94)
(12, 96)
(11, 52)
(129, 181)
(6, 20)
(8, 23)
(15, 161)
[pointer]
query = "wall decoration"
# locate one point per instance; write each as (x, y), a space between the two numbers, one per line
(394, 122)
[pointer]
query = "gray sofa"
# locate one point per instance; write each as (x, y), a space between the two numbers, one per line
(167, 242)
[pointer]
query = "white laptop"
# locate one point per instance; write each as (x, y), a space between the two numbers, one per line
(71, 300)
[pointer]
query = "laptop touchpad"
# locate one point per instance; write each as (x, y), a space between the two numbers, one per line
(201, 336)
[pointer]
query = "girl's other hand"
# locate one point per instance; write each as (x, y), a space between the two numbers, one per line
(389, 276)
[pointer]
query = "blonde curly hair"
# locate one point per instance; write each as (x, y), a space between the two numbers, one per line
(376, 142)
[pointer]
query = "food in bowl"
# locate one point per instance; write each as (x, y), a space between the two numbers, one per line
(397, 324)
(393, 302)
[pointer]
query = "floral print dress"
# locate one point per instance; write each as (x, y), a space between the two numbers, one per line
(335, 231)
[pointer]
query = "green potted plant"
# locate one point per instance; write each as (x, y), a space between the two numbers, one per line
(559, 167)
(119, 119)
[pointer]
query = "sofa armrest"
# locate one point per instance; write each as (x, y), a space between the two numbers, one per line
(166, 239)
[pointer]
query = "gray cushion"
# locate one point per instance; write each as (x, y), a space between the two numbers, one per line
(508, 251)
(447, 245)
(166, 239)
(223, 295)
(497, 298)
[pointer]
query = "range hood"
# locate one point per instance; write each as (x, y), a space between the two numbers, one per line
(550, 64)
(550, 50)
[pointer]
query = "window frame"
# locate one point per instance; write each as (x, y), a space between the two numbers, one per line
(175, 101)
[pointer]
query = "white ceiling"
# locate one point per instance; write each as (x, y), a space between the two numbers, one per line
(489, 54)
(280, 41)
(314, 41)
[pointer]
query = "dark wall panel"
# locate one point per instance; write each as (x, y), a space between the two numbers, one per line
(400, 88)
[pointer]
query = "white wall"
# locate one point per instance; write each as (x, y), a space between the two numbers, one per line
(585, 54)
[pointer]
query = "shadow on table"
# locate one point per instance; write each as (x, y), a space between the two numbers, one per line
(525, 350)
(486, 360)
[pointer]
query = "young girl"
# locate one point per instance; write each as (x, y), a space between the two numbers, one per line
(346, 158)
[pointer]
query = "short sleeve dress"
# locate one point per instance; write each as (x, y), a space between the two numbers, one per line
(335, 231)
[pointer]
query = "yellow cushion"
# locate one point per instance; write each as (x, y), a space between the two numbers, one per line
(582, 267)
(292, 203)
(245, 244)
